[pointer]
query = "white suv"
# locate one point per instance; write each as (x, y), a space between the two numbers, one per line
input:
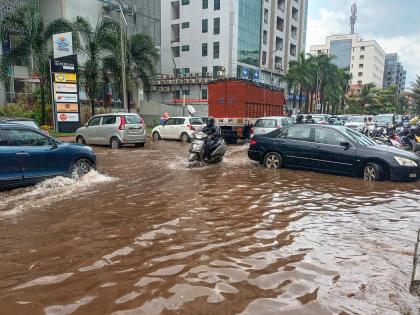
(178, 128)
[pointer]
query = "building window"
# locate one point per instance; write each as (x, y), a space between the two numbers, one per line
(174, 33)
(294, 32)
(281, 5)
(265, 36)
(186, 92)
(216, 5)
(362, 57)
(295, 14)
(361, 66)
(279, 43)
(204, 94)
(175, 51)
(186, 25)
(292, 50)
(185, 48)
(264, 58)
(205, 4)
(360, 74)
(216, 26)
(266, 16)
(278, 63)
(185, 2)
(205, 26)
(185, 70)
(204, 49)
(204, 71)
(216, 48)
(280, 24)
(362, 48)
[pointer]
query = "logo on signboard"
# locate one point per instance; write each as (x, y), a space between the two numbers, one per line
(63, 117)
(63, 44)
(66, 98)
(65, 77)
(66, 88)
(67, 108)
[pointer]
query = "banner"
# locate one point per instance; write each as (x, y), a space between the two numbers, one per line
(63, 45)
(66, 117)
(67, 108)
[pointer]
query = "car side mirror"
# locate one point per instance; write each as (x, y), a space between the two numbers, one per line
(345, 144)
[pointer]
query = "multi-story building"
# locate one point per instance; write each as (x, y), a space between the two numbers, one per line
(141, 16)
(365, 60)
(394, 73)
(204, 40)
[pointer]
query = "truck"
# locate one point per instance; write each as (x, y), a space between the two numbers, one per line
(236, 104)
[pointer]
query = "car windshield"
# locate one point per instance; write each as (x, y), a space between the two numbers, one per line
(359, 138)
(383, 119)
(196, 121)
(357, 119)
(132, 119)
(266, 123)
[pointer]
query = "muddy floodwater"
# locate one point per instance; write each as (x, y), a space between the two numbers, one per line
(146, 235)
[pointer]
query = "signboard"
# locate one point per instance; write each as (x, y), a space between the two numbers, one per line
(68, 117)
(63, 45)
(245, 73)
(256, 75)
(66, 98)
(65, 88)
(67, 108)
(65, 77)
(65, 91)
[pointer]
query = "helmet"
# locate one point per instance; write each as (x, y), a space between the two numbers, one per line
(211, 121)
(309, 117)
(299, 117)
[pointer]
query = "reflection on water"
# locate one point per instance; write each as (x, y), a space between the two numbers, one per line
(154, 237)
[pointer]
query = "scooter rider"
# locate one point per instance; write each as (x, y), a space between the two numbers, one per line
(213, 133)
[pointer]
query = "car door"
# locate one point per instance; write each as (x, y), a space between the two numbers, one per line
(39, 155)
(296, 147)
(10, 165)
(178, 128)
(166, 129)
(106, 129)
(335, 153)
(92, 129)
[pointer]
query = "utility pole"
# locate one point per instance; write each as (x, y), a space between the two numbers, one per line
(123, 56)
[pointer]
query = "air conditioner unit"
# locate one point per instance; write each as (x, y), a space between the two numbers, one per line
(208, 74)
(205, 80)
(279, 66)
(221, 68)
(197, 75)
(220, 73)
(199, 80)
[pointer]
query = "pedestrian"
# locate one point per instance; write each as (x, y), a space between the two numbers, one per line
(164, 118)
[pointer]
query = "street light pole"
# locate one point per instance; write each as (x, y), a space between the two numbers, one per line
(123, 57)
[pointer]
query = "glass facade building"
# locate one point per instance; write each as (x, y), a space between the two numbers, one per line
(249, 32)
(341, 50)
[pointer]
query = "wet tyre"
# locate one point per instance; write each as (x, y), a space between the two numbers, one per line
(80, 140)
(185, 137)
(273, 160)
(80, 167)
(156, 136)
(373, 172)
(115, 143)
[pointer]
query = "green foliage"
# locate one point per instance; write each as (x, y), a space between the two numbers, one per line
(415, 88)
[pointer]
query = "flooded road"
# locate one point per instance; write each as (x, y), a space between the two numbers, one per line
(146, 235)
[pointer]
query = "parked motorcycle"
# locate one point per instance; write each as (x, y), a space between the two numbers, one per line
(196, 157)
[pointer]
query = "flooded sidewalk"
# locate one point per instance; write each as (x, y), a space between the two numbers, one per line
(147, 235)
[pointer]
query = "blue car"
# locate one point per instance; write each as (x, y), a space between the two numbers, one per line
(28, 156)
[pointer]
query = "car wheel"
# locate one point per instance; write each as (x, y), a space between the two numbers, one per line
(273, 160)
(79, 168)
(156, 136)
(80, 140)
(139, 145)
(185, 137)
(115, 143)
(373, 172)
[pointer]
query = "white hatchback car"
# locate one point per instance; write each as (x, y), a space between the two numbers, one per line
(180, 128)
(265, 125)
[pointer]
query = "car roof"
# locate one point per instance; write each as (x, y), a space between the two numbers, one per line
(15, 119)
(272, 117)
(116, 114)
(5, 125)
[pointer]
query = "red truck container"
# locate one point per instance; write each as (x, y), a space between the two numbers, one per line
(236, 104)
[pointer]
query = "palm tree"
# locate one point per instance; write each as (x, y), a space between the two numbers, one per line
(141, 58)
(91, 46)
(27, 23)
(415, 89)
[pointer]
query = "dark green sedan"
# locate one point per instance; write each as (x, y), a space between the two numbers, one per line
(333, 149)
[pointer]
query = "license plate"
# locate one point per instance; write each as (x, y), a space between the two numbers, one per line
(412, 175)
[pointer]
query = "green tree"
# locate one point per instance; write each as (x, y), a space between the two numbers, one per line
(415, 89)
(32, 49)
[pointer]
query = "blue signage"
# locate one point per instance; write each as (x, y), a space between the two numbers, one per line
(256, 75)
(245, 73)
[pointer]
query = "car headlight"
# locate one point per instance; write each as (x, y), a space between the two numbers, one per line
(404, 161)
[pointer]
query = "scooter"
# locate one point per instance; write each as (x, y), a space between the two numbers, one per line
(196, 157)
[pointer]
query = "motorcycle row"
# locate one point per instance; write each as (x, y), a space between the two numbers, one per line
(404, 136)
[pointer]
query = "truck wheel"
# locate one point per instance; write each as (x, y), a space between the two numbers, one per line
(273, 160)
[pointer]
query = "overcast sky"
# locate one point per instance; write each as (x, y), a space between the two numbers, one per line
(394, 24)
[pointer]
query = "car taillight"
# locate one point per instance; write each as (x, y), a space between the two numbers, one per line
(190, 127)
(253, 142)
(122, 123)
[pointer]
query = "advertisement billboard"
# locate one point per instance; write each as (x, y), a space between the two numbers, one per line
(66, 98)
(62, 45)
(67, 117)
(67, 108)
(65, 88)
(65, 77)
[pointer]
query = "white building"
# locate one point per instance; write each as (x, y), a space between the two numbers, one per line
(208, 39)
(364, 59)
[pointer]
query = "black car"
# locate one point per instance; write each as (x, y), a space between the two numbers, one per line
(333, 149)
